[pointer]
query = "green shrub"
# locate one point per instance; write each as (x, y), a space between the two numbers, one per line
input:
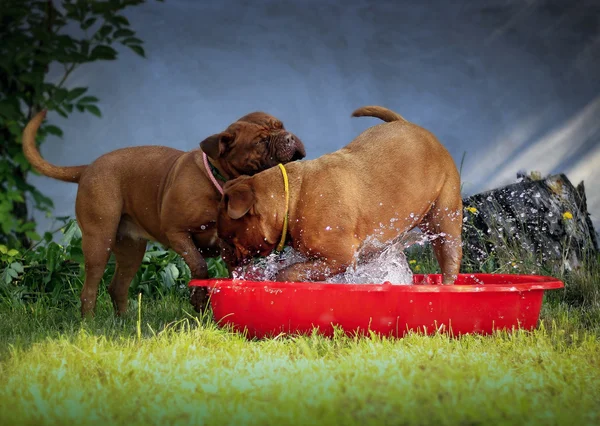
(55, 271)
(37, 35)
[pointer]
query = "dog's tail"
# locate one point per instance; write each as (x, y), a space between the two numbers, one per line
(378, 112)
(67, 174)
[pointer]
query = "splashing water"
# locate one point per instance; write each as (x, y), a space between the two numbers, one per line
(390, 265)
(266, 269)
(382, 263)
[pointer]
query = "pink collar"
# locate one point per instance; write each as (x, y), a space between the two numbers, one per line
(210, 174)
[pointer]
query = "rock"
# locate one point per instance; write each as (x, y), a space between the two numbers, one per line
(543, 219)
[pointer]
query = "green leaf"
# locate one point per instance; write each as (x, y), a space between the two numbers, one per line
(94, 110)
(21, 161)
(76, 255)
(32, 235)
(15, 128)
(61, 112)
(66, 220)
(17, 266)
(131, 40)
(120, 20)
(27, 226)
(41, 200)
(84, 47)
(77, 92)
(53, 130)
(15, 196)
(156, 253)
(105, 30)
(9, 109)
(87, 100)
(88, 23)
(169, 275)
(71, 233)
(53, 259)
(123, 33)
(137, 49)
(103, 52)
(174, 271)
(31, 78)
(60, 95)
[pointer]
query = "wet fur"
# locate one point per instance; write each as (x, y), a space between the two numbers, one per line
(338, 200)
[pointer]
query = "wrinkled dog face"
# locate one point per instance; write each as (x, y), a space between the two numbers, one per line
(242, 228)
(254, 143)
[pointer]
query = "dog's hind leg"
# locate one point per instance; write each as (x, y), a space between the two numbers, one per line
(129, 253)
(96, 251)
(444, 224)
(98, 217)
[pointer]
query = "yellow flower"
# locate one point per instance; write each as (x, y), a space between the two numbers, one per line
(412, 262)
(472, 210)
(417, 268)
(567, 215)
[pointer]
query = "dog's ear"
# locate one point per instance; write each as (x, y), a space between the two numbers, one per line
(216, 145)
(239, 199)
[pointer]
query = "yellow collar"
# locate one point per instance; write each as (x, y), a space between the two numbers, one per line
(287, 205)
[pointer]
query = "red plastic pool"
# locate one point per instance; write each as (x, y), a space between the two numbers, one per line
(477, 303)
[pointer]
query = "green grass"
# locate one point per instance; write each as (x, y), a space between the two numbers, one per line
(172, 367)
(56, 369)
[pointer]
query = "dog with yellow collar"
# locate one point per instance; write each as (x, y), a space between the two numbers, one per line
(393, 177)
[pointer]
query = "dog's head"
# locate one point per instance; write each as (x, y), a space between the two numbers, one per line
(250, 219)
(253, 143)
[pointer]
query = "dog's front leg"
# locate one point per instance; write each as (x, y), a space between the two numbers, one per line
(183, 244)
(227, 253)
(311, 270)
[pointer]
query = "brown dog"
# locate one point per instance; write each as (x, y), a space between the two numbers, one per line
(129, 196)
(390, 179)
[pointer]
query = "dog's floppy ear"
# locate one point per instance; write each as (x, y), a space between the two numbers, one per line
(216, 145)
(239, 198)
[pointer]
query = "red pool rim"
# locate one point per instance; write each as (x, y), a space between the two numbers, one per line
(421, 283)
(476, 303)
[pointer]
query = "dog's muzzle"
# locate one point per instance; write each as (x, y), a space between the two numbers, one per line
(289, 148)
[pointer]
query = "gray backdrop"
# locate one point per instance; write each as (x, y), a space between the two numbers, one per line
(514, 84)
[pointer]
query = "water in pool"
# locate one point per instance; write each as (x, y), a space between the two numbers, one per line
(387, 264)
